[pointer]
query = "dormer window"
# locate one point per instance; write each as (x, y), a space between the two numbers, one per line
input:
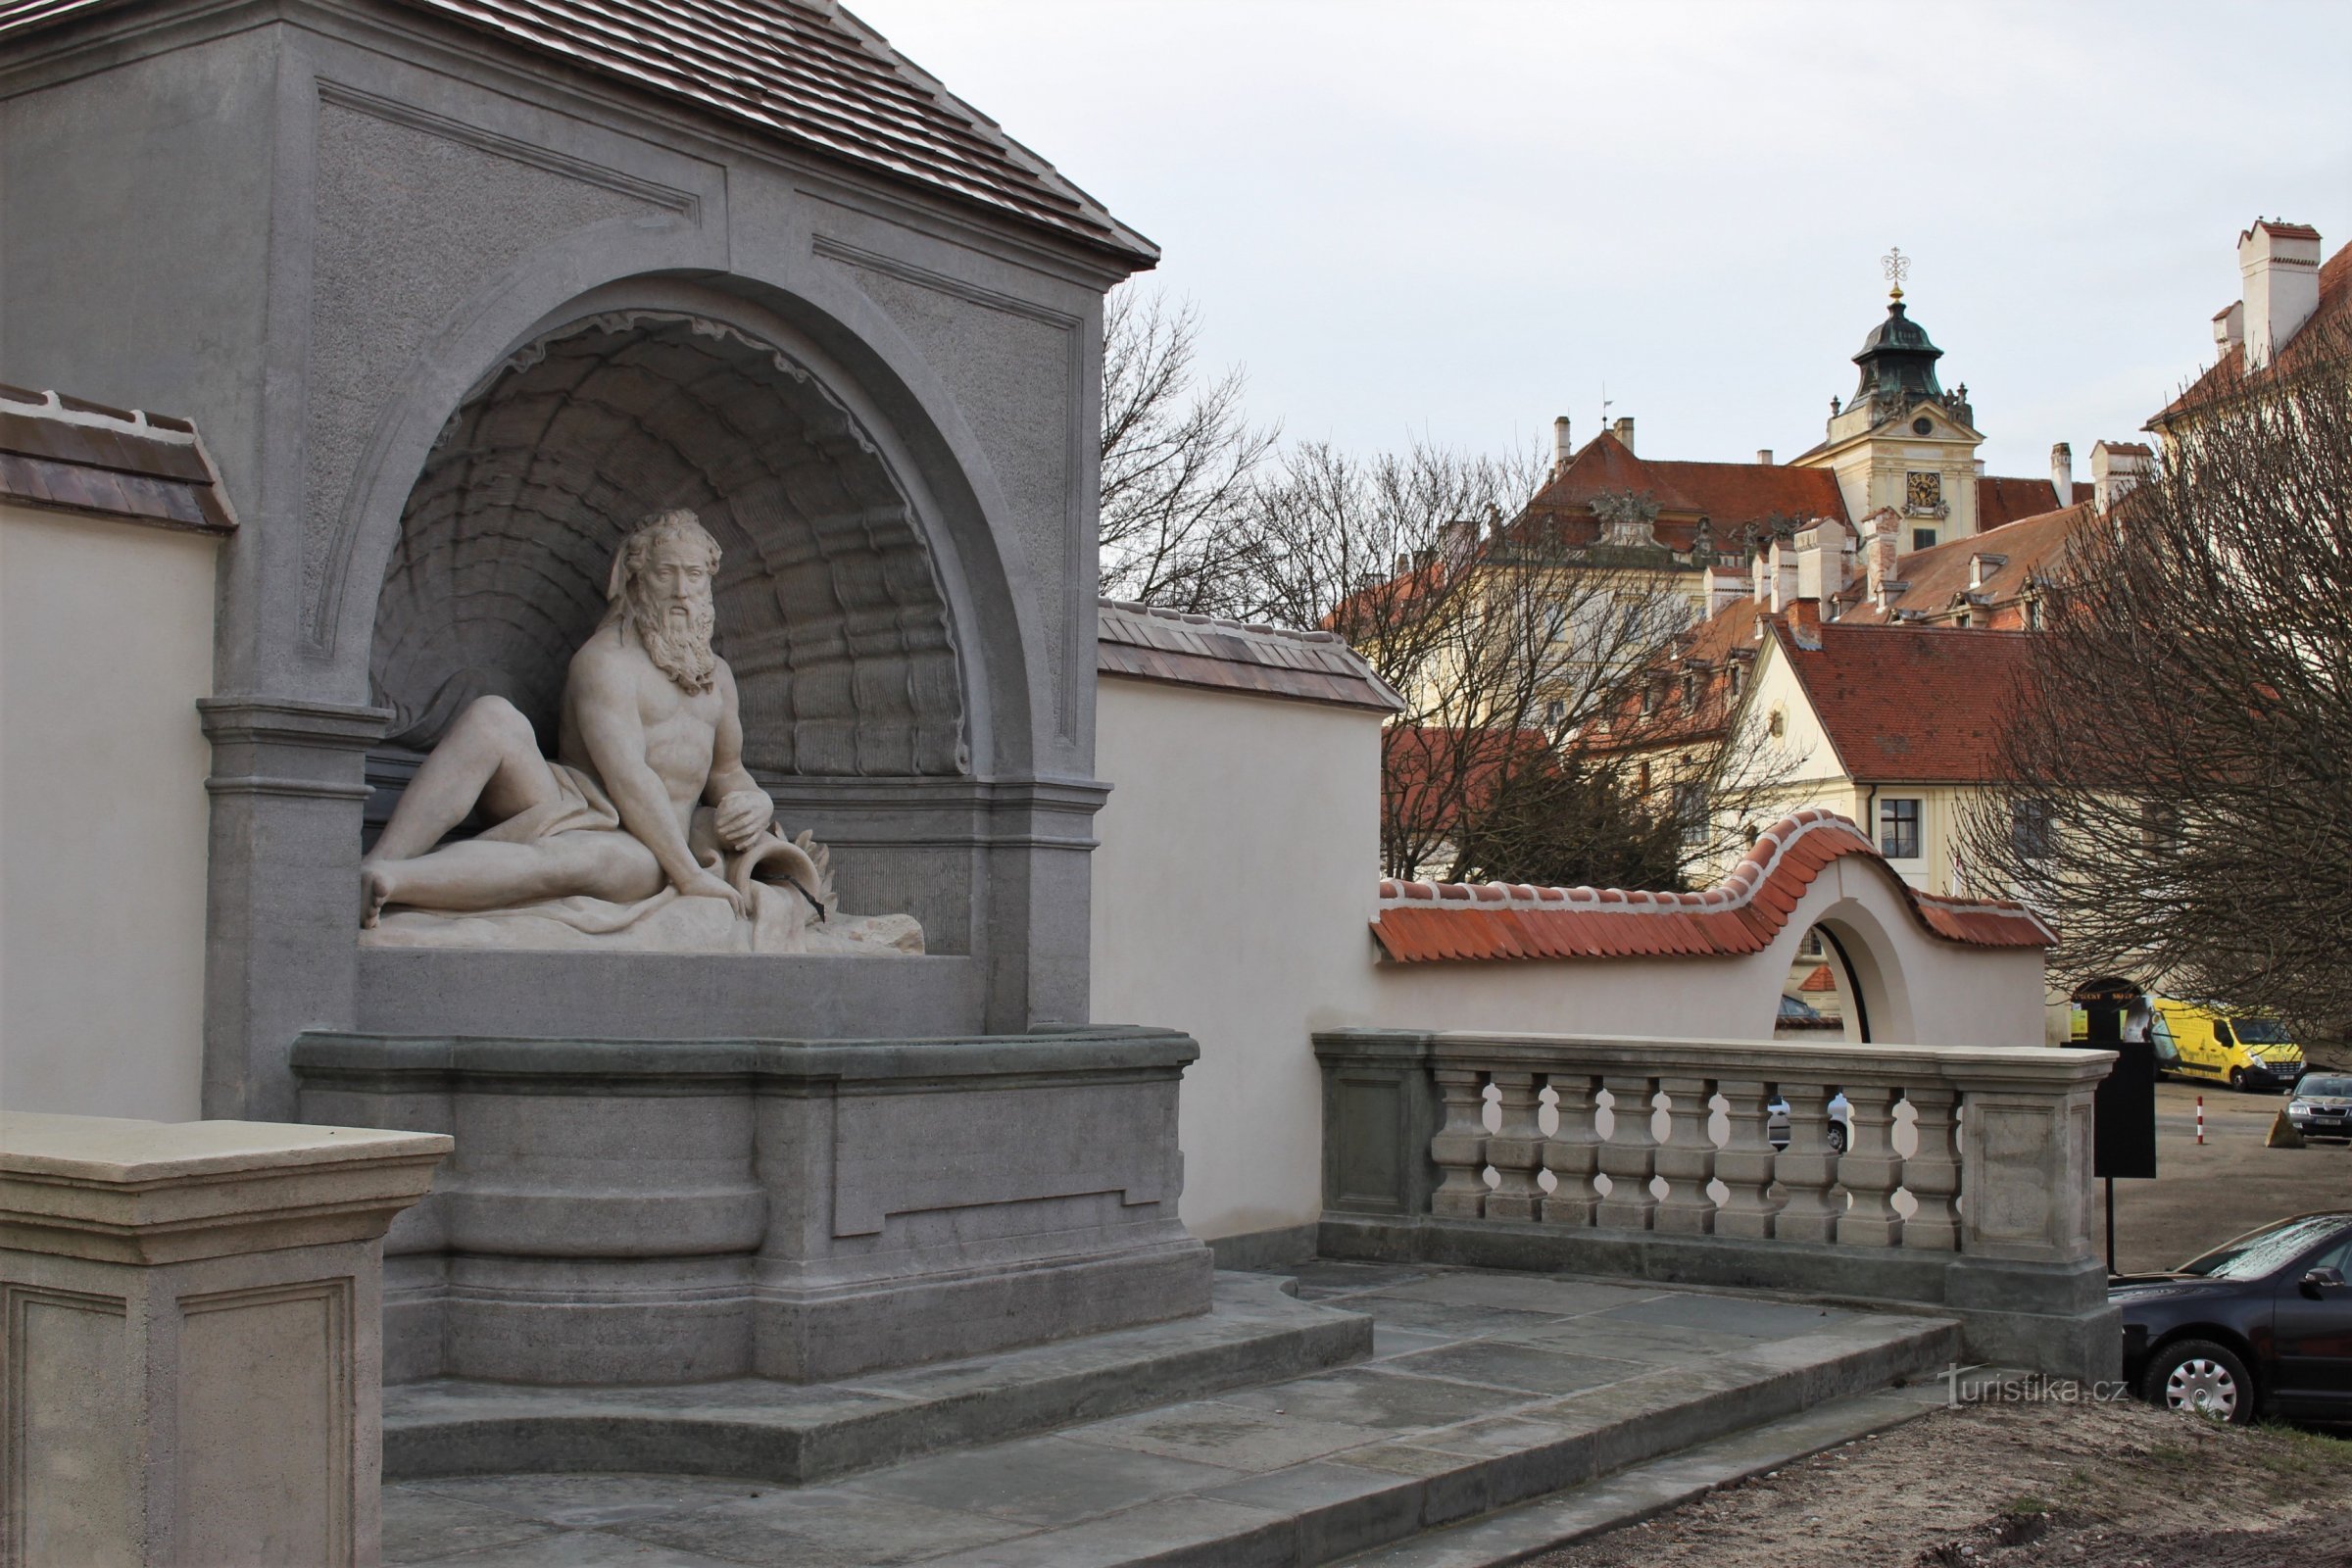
(1981, 566)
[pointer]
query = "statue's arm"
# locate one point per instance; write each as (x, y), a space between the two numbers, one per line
(605, 706)
(743, 808)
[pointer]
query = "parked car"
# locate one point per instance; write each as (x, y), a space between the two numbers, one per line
(2322, 1105)
(1841, 1117)
(2263, 1323)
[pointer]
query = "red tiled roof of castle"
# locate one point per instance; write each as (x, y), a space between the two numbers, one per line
(1937, 579)
(1422, 923)
(1430, 774)
(1909, 704)
(2001, 501)
(1725, 494)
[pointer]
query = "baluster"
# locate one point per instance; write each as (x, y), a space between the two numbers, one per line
(1806, 1169)
(1628, 1156)
(1744, 1162)
(1572, 1154)
(1687, 1159)
(1515, 1149)
(1869, 1169)
(1459, 1150)
(1932, 1175)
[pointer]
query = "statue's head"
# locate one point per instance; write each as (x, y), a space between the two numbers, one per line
(660, 590)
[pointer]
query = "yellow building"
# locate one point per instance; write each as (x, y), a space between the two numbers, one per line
(1892, 726)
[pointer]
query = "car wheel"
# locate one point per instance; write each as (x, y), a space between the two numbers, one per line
(2200, 1377)
(2237, 1079)
(1837, 1138)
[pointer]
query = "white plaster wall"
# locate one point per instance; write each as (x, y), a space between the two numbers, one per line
(1231, 899)
(1233, 896)
(106, 642)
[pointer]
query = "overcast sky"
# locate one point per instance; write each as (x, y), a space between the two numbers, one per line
(1456, 221)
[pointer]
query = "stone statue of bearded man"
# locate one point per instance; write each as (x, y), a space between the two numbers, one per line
(647, 794)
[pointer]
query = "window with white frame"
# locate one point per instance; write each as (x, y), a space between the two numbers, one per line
(1899, 828)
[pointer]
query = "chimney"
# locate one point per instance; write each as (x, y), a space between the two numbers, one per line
(1562, 449)
(1460, 542)
(1760, 574)
(1725, 585)
(2230, 327)
(1784, 577)
(1764, 456)
(2115, 467)
(1623, 430)
(1821, 563)
(2281, 265)
(1878, 532)
(2062, 473)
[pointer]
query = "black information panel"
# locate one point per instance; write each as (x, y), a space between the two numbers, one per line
(2124, 1108)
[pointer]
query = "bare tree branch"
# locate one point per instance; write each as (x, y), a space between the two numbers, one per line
(2177, 780)
(1178, 459)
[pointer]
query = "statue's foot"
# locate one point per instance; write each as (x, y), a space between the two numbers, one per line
(374, 892)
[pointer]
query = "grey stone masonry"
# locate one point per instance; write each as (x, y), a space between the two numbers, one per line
(191, 1367)
(1481, 1391)
(670, 1212)
(1965, 1186)
(472, 299)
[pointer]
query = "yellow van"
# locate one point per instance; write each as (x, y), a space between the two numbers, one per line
(2193, 1042)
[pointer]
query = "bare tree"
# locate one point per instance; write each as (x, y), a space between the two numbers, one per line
(1507, 642)
(2177, 779)
(1178, 459)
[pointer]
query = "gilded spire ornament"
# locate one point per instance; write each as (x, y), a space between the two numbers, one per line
(1898, 267)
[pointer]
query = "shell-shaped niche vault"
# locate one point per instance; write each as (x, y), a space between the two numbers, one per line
(829, 603)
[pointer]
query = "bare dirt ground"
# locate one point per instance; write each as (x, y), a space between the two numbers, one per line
(2088, 1486)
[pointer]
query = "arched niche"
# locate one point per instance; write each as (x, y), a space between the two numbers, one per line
(830, 605)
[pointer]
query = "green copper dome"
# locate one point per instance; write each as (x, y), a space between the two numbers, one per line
(1898, 364)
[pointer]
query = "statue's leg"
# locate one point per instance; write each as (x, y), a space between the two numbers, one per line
(476, 874)
(490, 757)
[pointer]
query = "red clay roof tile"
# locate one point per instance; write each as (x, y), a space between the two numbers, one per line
(1419, 923)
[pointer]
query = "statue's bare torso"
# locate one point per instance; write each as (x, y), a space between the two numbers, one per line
(650, 720)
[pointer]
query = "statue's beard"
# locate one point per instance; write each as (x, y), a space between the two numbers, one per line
(682, 651)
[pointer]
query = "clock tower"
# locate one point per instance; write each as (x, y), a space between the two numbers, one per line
(1901, 442)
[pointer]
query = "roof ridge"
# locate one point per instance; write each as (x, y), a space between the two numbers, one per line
(1742, 915)
(1191, 617)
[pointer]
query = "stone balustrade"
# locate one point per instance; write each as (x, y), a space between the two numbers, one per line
(1964, 1183)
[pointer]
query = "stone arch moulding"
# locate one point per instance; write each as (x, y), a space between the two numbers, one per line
(1876, 966)
(831, 606)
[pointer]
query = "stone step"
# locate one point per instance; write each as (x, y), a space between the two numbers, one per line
(1643, 1490)
(1256, 1332)
(1485, 1393)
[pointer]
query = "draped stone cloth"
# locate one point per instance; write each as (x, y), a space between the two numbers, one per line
(785, 880)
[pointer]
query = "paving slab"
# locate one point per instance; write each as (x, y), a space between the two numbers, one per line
(1477, 1426)
(1044, 1481)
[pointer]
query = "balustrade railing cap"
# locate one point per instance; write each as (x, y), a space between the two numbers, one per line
(1832, 1061)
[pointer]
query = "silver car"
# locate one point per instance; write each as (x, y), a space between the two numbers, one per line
(2322, 1105)
(1841, 1117)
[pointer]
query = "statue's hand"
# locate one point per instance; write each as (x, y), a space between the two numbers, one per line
(743, 816)
(708, 884)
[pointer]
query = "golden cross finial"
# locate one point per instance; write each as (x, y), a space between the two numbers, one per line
(1898, 267)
